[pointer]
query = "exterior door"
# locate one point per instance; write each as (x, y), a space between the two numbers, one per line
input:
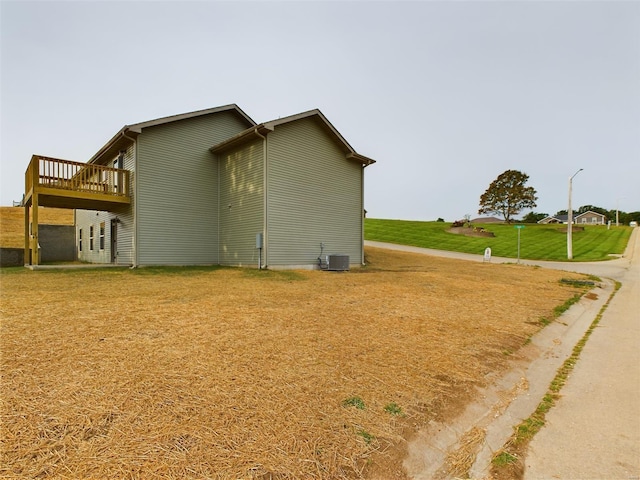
(114, 241)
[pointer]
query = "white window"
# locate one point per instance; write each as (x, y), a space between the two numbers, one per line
(102, 236)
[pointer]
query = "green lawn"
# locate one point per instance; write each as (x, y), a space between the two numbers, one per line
(537, 242)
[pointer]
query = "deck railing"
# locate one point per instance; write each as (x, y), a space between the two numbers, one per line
(76, 176)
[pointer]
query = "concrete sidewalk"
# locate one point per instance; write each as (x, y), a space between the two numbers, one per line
(593, 432)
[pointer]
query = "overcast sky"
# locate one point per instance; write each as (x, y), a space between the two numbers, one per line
(444, 95)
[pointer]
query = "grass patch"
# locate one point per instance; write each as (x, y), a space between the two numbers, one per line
(366, 436)
(354, 402)
(566, 305)
(577, 283)
(282, 275)
(560, 309)
(394, 409)
(175, 270)
(504, 458)
(544, 321)
(537, 242)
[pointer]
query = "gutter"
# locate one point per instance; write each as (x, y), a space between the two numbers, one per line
(258, 131)
(111, 144)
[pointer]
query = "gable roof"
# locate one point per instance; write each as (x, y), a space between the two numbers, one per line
(560, 218)
(128, 133)
(267, 127)
(137, 127)
(592, 213)
(565, 218)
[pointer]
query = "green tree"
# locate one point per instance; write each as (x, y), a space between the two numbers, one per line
(533, 217)
(632, 216)
(593, 208)
(507, 195)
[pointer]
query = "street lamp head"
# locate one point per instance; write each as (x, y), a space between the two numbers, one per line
(576, 173)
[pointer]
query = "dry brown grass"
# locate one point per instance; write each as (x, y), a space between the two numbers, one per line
(12, 223)
(229, 373)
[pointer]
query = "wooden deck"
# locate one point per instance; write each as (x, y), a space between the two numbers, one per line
(67, 184)
(52, 182)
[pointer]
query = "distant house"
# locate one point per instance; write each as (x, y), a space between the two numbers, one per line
(590, 218)
(586, 218)
(212, 187)
(555, 219)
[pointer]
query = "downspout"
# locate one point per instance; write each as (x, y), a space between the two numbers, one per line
(264, 200)
(362, 215)
(219, 212)
(135, 198)
(75, 232)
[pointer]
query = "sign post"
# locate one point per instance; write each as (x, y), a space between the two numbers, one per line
(519, 227)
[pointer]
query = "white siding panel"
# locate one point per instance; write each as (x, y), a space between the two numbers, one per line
(314, 196)
(241, 204)
(177, 190)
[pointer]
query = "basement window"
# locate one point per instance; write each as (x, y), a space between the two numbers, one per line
(91, 237)
(80, 240)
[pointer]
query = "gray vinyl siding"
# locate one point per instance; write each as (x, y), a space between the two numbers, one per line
(241, 203)
(177, 190)
(314, 196)
(126, 217)
(87, 218)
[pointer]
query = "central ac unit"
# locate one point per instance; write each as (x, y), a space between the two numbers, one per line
(338, 263)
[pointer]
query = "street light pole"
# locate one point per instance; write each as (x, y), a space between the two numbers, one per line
(570, 221)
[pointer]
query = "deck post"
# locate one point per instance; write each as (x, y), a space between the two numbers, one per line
(27, 257)
(35, 260)
(35, 179)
